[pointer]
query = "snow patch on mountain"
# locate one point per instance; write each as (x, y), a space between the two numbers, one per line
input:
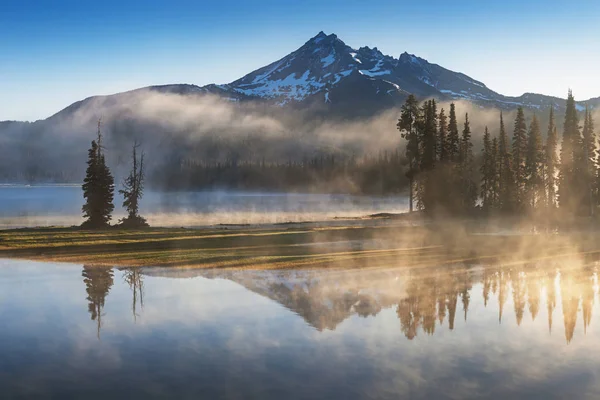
(294, 87)
(327, 61)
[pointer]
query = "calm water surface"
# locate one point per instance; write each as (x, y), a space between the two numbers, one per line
(72, 331)
(43, 205)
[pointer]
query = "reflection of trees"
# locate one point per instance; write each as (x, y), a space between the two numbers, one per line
(437, 294)
(426, 299)
(134, 279)
(98, 281)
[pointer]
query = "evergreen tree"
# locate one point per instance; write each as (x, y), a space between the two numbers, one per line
(569, 190)
(453, 137)
(408, 126)
(98, 188)
(590, 168)
(487, 171)
(468, 186)
(426, 187)
(428, 135)
(133, 189)
(551, 162)
(443, 147)
(534, 163)
(519, 151)
(496, 165)
(505, 173)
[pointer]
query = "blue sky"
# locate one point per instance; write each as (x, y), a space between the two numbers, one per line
(55, 53)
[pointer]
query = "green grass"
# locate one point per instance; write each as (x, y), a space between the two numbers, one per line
(355, 245)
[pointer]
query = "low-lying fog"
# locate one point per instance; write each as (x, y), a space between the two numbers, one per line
(44, 205)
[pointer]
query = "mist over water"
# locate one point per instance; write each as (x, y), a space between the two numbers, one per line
(46, 205)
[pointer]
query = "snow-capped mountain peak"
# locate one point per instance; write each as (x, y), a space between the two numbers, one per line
(325, 70)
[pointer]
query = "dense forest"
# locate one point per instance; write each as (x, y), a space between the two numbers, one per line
(520, 175)
(323, 173)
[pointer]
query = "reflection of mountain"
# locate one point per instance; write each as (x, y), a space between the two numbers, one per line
(323, 299)
(424, 298)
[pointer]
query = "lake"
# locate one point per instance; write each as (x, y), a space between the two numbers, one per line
(526, 331)
(45, 205)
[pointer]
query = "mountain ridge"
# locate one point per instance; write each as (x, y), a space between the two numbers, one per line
(334, 78)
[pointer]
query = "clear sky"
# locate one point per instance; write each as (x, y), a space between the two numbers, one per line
(53, 53)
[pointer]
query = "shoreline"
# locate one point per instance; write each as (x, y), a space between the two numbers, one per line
(375, 240)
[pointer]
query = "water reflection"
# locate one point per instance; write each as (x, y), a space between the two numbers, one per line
(424, 299)
(98, 281)
(134, 279)
(470, 331)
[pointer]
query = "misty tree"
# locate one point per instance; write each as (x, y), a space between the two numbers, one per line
(488, 172)
(534, 163)
(408, 126)
(453, 136)
(495, 184)
(505, 172)
(133, 190)
(551, 162)
(468, 187)
(519, 151)
(589, 161)
(443, 149)
(98, 187)
(428, 136)
(569, 190)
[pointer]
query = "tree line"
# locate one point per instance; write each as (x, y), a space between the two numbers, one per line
(99, 186)
(517, 175)
(326, 172)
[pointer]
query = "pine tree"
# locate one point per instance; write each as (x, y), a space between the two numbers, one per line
(408, 126)
(443, 136)
(453, 137)
(519, 151)
(590, 168)
(569, 190)
(133, 189)
(426, 185)
(98, 188)
(534, 162)
(466, 168)
(496, 165)
(428, 135)
(505, 172)
(551, 162)
(487, 169)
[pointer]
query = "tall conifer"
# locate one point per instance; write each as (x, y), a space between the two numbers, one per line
(486, 170)
(98, 187)
(453, 136)
(505, 173)
(408, 126)
(551, 162)
(519, 151)
(534, 162)
(569, 190)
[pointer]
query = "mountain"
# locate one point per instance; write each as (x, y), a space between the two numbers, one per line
(323, 98)
(327, 72)
(327, 76)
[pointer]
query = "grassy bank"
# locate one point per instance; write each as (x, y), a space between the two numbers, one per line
(354, 244)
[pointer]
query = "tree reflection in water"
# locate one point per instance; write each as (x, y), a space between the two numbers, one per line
(424, 299)
(133, 278)
(98, 281)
